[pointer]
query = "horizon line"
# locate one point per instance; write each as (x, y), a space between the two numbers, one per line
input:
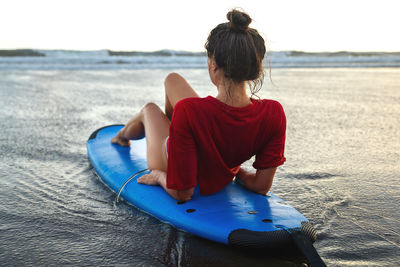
(198, 52)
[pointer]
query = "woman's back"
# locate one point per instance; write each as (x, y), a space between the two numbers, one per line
(216, 139)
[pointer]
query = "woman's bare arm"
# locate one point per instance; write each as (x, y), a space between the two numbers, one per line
(259, 181)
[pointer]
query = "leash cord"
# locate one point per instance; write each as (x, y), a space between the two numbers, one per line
(126, 182)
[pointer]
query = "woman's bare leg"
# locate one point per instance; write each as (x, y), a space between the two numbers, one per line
(134, 129)
(152, 121)
(176, 89)
(154, 124)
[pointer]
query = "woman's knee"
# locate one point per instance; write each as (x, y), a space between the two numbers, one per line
(150, 107)
(177, 88)
(152, 113)
(172, 78)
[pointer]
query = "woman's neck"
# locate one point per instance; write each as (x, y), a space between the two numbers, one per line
(233, 94)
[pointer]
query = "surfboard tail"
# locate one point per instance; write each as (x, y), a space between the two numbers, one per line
(244, 238)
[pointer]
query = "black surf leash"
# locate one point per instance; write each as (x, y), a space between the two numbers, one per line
(126, 182)
(304, 244)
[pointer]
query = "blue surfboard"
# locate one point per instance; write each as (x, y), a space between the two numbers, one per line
(233, 216)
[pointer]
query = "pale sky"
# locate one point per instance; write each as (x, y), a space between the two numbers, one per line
(148, 25)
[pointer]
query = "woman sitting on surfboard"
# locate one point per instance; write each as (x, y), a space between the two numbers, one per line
(204, 141)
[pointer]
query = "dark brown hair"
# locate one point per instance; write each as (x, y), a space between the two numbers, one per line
(238, 49)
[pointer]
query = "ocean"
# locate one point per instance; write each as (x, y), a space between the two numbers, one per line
(29, 59)
(342, 170)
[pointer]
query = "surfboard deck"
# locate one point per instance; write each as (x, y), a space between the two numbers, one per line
(233, 216)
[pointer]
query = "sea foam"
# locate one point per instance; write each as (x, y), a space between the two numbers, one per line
(166, 59)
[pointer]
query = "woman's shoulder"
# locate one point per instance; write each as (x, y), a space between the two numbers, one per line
(269, 104)
(193, 102)
(266, 101)
(191, 106)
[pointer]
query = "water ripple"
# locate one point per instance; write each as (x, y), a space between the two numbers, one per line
(311, 175)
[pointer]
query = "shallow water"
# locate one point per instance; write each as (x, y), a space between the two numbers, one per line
(342, 170)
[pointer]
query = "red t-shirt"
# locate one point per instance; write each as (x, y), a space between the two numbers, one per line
(209, 140)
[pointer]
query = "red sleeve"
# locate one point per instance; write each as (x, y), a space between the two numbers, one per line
(271, 153)
(182, 157)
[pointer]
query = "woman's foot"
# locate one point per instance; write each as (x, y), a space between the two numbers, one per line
(118, 139)
(152, 178)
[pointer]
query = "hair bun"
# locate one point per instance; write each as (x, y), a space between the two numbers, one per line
(239, 20)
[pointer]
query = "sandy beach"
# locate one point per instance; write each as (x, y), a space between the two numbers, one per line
(342, 170)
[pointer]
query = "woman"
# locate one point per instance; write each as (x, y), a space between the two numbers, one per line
(203, 141)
